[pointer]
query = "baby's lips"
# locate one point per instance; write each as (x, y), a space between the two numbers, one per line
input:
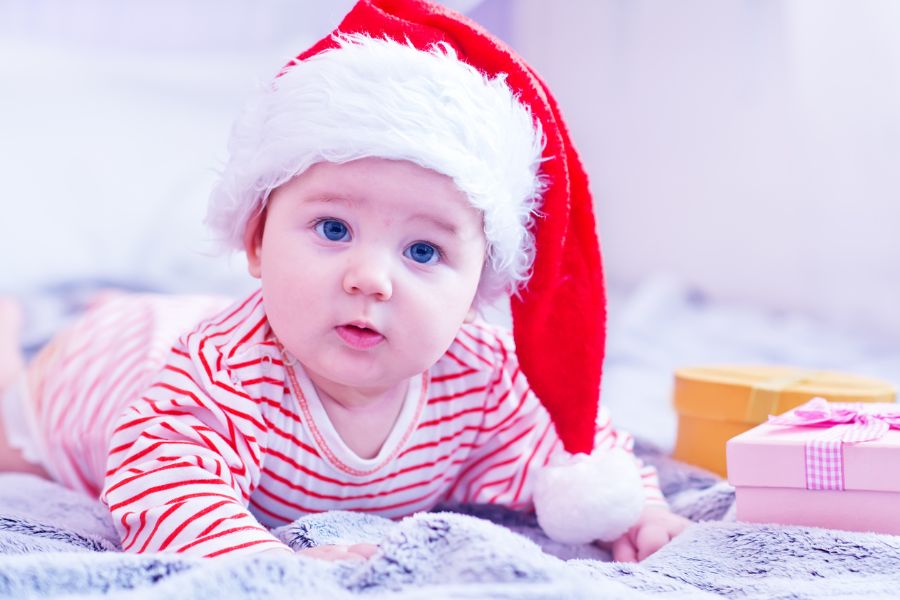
(359, 338)
(362, 324)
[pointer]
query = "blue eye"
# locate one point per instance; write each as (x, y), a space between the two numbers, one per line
(333, 230)
(423, 253)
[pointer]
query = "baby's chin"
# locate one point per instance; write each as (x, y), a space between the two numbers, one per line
(368, 378)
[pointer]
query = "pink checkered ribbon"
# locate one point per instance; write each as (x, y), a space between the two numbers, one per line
(846, 424)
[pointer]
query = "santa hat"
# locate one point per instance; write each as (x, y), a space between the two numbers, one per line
(490, 123)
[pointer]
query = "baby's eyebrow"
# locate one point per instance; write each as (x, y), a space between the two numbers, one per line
(328, 198)
(331, 198)
(447, 226)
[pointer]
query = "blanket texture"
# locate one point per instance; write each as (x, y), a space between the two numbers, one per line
(58, 544)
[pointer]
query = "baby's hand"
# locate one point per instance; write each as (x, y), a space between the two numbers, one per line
(334, 552)
(656, 527)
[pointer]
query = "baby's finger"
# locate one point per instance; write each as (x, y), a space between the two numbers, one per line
(623, 550)
(649, 540)
(330, 552)
(677, 527)
(319, 552)
(364, 550)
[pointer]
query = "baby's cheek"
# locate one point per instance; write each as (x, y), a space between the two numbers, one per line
(288, 310)
(434, 341)
(287, 326)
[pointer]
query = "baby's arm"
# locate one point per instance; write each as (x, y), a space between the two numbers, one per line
(184, 461)
(517, 439)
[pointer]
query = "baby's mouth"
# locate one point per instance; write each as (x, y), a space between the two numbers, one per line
(359, 336)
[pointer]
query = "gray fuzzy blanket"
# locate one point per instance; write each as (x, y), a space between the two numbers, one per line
(58, 544)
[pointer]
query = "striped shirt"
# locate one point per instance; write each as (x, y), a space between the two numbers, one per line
(202, 446)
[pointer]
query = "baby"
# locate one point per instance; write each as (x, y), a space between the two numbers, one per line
(391, 181)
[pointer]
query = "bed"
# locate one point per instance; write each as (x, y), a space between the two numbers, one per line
(62, 545)
(56, 543)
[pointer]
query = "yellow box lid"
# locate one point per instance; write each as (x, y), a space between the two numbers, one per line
(749, 394)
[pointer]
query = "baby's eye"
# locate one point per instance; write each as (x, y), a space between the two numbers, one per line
(332, 229)
(423, 253)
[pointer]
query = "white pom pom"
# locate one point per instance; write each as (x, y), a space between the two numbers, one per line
(587, 498)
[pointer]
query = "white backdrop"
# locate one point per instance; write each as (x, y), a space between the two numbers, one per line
(749, 148)
(114, 118)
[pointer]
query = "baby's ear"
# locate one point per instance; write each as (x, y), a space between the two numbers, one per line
(253, 236)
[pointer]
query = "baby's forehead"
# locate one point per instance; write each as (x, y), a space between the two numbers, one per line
(394, 190)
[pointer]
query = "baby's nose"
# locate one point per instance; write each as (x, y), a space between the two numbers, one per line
(369, 276)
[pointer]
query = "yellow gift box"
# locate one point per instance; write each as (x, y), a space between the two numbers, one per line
(714, 404)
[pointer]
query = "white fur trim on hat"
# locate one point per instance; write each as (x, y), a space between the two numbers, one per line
(378, 98)
(587, 498)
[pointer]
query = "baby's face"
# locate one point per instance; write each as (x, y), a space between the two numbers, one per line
(368, 269)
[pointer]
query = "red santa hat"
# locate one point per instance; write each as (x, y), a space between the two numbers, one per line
(505, 145)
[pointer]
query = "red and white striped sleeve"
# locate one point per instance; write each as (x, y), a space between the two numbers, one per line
(609, 437)
(517, 438)
(184, 460)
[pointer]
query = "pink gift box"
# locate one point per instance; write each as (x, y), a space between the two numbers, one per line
(776, 468)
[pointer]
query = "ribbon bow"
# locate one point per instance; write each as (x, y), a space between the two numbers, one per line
(864, 426)
(845, 425)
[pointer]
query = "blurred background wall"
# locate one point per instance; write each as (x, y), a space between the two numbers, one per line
(750, 148)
